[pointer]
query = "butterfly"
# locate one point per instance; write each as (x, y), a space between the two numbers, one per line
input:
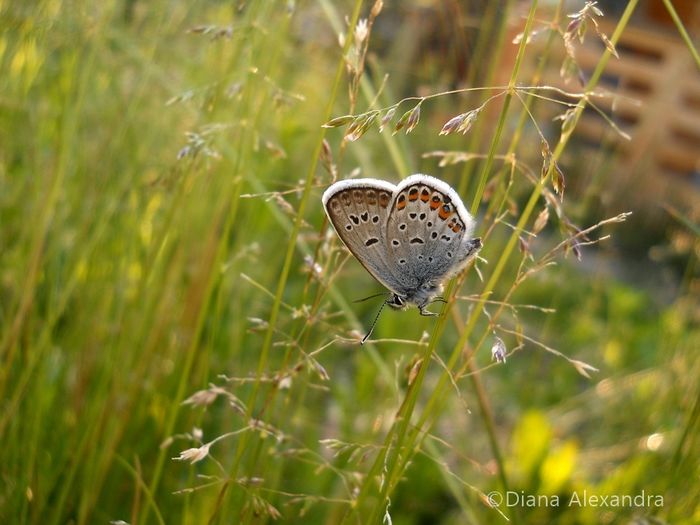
(411, 237)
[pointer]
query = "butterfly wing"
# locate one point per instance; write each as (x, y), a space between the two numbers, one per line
(358, 210)
(429, 231)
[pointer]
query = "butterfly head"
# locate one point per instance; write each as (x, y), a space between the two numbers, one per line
(420, 296)
(397, 302)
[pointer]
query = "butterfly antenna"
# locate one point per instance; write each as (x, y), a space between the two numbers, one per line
(374, 323)
(370, 297)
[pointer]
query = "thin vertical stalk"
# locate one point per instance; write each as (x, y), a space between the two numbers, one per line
(537, 191)
(504, 111)
(475, 133)
(195, 311)
(68, 130)
(524, 114)
(681, 29)
(399, 430)
(431, 408)
(286, 266)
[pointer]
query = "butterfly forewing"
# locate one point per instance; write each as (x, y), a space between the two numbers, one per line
(428, 230)
(359, 210)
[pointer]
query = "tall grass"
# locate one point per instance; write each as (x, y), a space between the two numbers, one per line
(171, 294)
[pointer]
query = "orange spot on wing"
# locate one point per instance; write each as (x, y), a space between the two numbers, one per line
(425, 195)
(413, 194)
(435, 202)
(401, 202)
(445, 212)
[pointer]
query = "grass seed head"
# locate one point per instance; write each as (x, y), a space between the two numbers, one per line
(193, 455)
(201, 398)
(413, 119)
(499, 350)
(453, 124)
(386, 118)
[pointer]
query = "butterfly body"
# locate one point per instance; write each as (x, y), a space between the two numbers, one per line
(411, 237)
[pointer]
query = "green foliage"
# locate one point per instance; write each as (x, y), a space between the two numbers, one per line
(169, 289)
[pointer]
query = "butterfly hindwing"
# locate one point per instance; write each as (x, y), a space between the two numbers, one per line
(428, 230)
(358, 210)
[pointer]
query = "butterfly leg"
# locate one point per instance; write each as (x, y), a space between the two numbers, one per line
(425, 312)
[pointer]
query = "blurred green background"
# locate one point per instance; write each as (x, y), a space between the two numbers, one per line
(162, 239)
